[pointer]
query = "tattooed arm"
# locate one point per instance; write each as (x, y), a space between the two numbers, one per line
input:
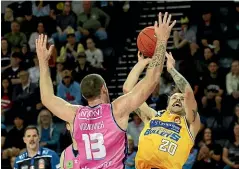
(190, 103)
(144, 111)
(129, 102)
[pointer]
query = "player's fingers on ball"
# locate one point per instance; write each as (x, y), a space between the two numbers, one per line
(160, 18)
(169, 19)
(165, 17)
(172, 24)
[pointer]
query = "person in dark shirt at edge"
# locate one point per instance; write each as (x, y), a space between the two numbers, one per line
(36, 156)
(14, 143)
(213, 86)
(230, 150)
(209, 152)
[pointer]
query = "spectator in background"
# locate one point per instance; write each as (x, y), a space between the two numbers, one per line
(209, 153)
(231, 149)
(12, 72)
(93, 21)
(6, 21)
(36, 156)
(14, 143)
(130, 161)
(83, 67)
(232, 84)
(27, 57)
(94, 55)
(3, 135)
(65, 22)
(15, 37)
(40, 8)
(208, 32)
(70, 51)
(202, 64)
(6, 97)
(19, 9)
(59, 70)
(65, 139)
(235, 120)
(134, 128)
(49, 136)
(34, 72)
(182, 39)
(213, 85)
(68, 89)
(34, 36)
(5, 55)
(191, 159)
(29, 25)
(27, 95)
(153, 100)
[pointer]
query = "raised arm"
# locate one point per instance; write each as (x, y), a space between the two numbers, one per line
(189, 100)
(129, 102)
(56, 105)
(144, 111)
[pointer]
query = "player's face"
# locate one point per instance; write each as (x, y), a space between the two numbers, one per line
(31, 139)
(176, 104)
(207, 134)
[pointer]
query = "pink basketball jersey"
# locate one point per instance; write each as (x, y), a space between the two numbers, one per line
(70, 161)
(101, 142)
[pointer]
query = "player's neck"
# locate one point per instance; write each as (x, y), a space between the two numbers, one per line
(95, 102)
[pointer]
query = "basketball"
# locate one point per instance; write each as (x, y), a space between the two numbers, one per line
(146, 41)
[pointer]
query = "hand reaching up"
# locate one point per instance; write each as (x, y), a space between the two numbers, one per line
(43, 53)
(162, 27)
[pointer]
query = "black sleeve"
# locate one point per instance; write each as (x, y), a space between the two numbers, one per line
(227, 144)
(217, 149)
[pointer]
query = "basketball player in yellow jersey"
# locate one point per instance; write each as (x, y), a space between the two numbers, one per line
(168, 135)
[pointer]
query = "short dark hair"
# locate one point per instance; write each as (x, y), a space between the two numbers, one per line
(31, 128)
(91, 86)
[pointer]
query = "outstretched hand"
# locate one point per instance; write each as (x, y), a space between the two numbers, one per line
(43, 53)
(170, 61)
(162, 28)
(142, 59)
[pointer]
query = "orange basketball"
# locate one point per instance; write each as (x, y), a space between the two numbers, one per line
(146, 41)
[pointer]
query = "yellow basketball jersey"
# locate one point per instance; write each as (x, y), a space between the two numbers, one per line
(164, 143)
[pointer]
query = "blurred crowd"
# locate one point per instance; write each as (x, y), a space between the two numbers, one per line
(85, 36)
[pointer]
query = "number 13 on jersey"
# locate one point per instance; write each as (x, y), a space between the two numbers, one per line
(168, 146)
(94, 146)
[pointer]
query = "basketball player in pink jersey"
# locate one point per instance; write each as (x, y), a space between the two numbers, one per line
(99, 129)
(69, 157)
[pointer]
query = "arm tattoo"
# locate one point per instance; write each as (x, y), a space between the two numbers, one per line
(180, 81)
(159, 55)
(194, 115)
(138, 112)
